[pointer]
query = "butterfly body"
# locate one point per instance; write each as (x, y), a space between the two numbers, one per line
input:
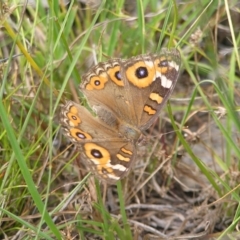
(127, 96)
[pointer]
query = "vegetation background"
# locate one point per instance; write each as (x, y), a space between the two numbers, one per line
(185, 182)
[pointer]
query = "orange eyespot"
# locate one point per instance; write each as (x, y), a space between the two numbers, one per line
(141, 74)
(79, 135)
(115, 76)
(97, 82)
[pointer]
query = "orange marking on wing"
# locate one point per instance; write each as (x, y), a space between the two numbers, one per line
(74, 120)
(79, 134)
(141, 82)
(126, 151)
(149, 110)
(112, 74)
(122, 158)
(156, 97)
(97, 82)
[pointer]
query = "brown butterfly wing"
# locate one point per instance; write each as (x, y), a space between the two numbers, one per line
(108, 154)
(150, 80)
(129, 94)
(103, 87)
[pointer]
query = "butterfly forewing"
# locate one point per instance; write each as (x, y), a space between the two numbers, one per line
(106, 93)
(166, 71)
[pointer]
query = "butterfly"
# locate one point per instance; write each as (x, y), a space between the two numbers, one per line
(126, 96)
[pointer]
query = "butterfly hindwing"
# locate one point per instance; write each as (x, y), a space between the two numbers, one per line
(107, 153)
